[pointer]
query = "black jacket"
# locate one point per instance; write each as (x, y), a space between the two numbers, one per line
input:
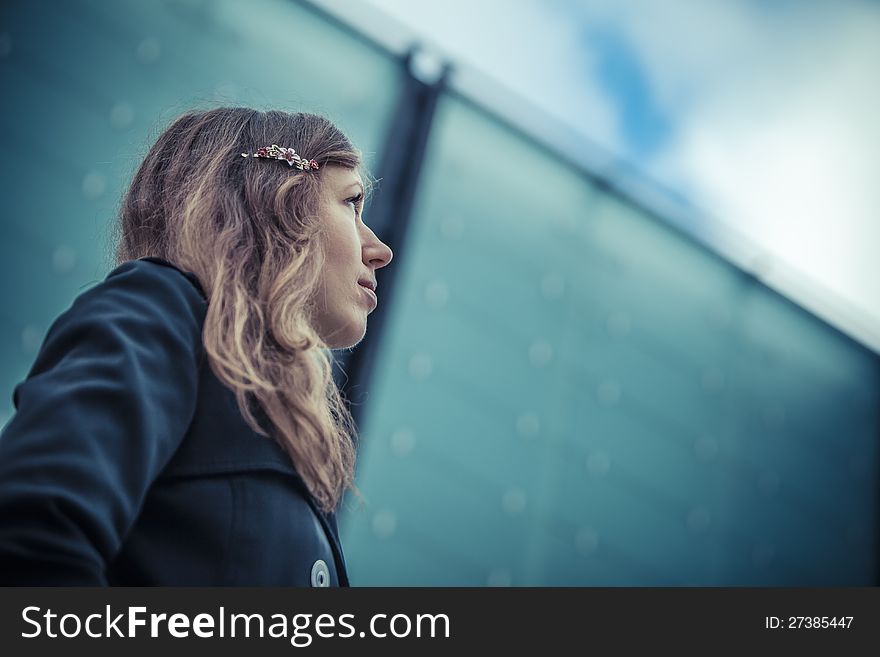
(127, 462)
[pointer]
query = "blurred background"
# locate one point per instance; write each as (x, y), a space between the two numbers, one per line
(630, 335)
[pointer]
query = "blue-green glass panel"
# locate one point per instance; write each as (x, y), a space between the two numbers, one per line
(571, 392)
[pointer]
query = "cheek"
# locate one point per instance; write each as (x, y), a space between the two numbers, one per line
(344, 243)
(344, 260)
(341, 284)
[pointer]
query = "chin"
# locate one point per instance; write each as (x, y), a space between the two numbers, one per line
(350, 338)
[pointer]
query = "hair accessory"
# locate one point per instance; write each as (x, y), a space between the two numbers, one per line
(276, 152)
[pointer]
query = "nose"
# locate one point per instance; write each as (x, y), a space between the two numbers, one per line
(377, 254)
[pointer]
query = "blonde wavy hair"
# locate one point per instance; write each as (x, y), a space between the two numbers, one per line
(249, 230)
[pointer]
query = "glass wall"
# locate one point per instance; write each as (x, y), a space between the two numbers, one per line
(572, 393)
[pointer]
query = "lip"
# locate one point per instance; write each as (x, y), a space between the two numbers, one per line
(370, 293)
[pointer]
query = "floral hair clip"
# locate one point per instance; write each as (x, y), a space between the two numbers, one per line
(276, 152)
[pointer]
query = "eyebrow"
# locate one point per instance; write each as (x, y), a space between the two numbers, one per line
(355, 184)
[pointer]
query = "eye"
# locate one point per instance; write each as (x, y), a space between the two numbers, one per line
(356, 202)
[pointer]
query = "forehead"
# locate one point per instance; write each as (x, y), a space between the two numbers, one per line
(341, 178)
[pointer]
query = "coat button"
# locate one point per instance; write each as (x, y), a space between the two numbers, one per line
(320, 574)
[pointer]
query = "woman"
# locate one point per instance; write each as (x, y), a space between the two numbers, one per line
(180, 425)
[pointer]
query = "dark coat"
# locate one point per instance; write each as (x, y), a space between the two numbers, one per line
(128, 463)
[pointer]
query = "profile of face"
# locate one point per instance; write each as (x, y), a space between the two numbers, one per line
(353, 254)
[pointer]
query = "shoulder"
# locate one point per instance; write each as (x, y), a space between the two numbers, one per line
(159, 272)
(147, 301)
(146, 288)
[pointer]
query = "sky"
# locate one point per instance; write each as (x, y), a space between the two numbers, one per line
(762, 113)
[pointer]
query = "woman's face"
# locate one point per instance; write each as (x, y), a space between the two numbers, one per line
(354, 253)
